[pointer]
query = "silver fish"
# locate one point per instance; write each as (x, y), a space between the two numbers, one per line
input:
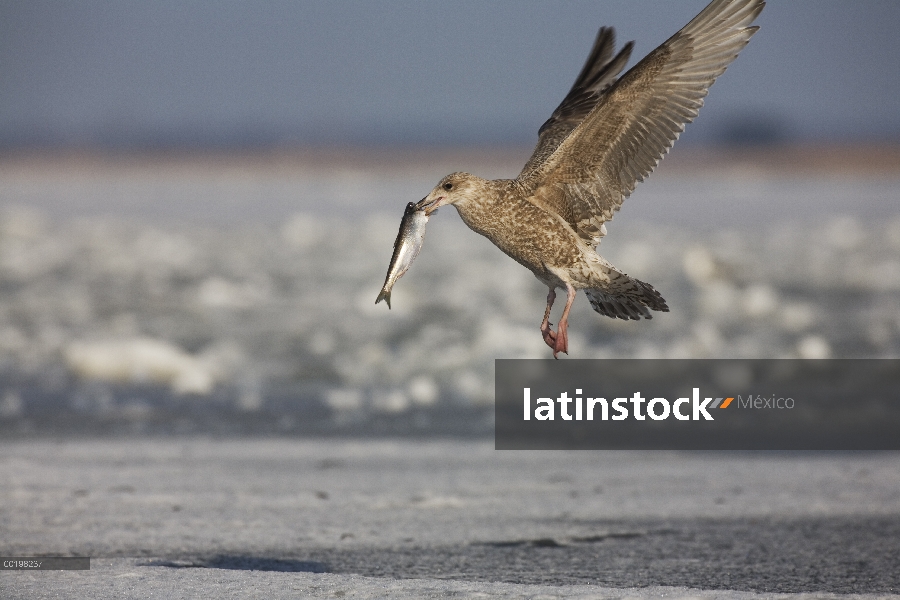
(409, 241)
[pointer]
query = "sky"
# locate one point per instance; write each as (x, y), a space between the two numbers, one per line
(198, 73)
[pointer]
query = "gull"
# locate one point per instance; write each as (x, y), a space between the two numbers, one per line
(606, 136)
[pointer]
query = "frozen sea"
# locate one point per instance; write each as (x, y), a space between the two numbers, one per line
(190, 517)
(198, 391)
(236, 295)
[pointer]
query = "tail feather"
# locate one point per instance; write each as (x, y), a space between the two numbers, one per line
(626, 298)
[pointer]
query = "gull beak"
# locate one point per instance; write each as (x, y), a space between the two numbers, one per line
(428, 205)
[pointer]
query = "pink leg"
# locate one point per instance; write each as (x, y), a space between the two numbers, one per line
(549, 334)
(562, 336)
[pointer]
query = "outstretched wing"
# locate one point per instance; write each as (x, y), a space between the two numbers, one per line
(599, 72)
(591, 172)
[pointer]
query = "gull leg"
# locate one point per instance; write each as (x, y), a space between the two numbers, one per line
(546, 331)
(562, 336)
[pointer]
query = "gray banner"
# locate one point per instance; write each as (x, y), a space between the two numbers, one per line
(698, 404)
(45, 563)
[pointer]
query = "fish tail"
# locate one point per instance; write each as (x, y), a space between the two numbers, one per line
(386, 296)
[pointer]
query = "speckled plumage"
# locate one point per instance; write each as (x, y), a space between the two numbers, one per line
(607, 135)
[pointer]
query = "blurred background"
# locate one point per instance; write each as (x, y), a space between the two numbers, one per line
(198, 202)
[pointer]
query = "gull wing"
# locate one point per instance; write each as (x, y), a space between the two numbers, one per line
(599, 72)
(635, 122)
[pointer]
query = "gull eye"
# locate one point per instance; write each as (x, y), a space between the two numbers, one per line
(448, 186)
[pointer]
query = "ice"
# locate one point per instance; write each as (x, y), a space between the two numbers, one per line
(813, 346)
(423, 390)
(392, 518)
(278, 316)
(138, 361)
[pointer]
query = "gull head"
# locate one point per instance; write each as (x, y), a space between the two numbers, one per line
(456, 189)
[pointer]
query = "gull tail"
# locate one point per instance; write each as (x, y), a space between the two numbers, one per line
(626, 298)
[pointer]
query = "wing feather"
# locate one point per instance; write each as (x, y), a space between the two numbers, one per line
(588, 175)
(599, 72)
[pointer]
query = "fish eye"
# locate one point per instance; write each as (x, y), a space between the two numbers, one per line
(448, 186)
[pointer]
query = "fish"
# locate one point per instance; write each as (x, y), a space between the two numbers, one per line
(409, 241)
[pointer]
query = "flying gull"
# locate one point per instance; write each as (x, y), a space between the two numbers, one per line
(608, 134)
